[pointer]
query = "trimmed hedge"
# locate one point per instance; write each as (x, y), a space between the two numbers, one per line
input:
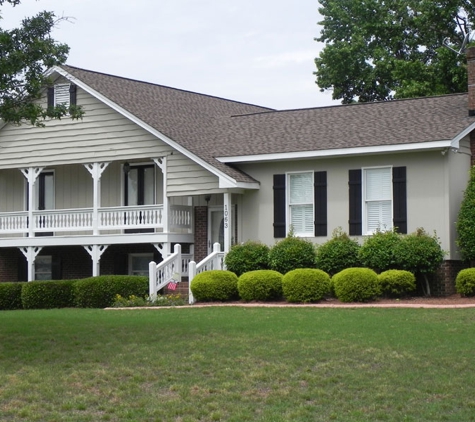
(260, 285)
(356, 285)
(397, 283)
(292, 253)
(249, 256)
(10, 295)
(465, 282)
(48, 294)
(305, 285)
(100, 291)
(215, 285)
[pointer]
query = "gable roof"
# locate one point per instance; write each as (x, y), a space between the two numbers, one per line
(216, 131)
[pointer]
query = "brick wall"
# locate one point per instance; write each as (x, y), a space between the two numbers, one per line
(10, 260)
(201, 233)
(443, 282)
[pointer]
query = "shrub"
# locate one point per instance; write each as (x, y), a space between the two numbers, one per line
(338, 253)
(356, 285)
(48, 294)
(249, 256)
(260, 285)
(465, 282)
(10, 295)
(377, 251)
(161, 300)
(305, 285)
(215, 285)
(292, 253)
(419, 253)
(397, 283)
(466, 220)
(100, 292)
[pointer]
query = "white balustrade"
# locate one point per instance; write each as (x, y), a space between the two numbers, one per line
(169, 270)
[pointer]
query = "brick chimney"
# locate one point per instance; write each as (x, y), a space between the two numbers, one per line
(471, 80)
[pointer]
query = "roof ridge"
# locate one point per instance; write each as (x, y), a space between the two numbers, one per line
(164, 86)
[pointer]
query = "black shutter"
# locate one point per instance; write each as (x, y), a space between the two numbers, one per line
(400, 199)
(279, 205)
(355, 198)
(72, 94)
(320, 202)
(51, 96)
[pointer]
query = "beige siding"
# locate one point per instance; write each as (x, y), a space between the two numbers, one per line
(12, 191)
(428, 199)
(102, 135)
(185, 177)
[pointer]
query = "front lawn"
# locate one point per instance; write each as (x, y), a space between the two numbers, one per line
(238, 364)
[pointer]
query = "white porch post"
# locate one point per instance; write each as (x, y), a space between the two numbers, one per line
(30, 253)
(96, 252)
(228, 223)
(162, 165)
(96, 170)
(31, 174)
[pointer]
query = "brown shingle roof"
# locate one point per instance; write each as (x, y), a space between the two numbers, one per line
(210, 127)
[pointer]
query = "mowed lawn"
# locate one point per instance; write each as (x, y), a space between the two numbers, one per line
(238, 364)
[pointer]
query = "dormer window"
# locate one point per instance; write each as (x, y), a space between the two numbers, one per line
(62, 94)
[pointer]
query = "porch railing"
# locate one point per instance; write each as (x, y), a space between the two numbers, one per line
(82, 219)
(214, 261)
(169, 270)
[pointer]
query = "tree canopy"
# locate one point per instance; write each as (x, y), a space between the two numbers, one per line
(378, 50)
(26, 53)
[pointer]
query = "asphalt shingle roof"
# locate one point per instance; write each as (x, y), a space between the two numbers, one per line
(212, 127)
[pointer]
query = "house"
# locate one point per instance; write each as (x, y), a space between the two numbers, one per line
(151, 166)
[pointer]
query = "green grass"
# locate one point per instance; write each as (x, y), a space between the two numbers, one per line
(238, 364)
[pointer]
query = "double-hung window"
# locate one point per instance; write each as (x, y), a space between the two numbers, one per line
(378, 199)
(301, 203)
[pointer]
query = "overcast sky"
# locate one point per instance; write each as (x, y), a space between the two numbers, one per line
(255, 51)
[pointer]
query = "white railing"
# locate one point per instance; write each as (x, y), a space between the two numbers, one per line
(82, 219)
(214, 261)
(169, 270)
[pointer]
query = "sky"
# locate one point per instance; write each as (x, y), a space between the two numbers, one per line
(255, 51)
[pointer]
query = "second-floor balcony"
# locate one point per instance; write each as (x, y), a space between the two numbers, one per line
(83, 220)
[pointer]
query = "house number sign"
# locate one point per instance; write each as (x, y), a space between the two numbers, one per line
(226, 217)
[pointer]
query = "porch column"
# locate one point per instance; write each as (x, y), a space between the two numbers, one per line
(228, 223)
(96, 252)
(96, 170)
(162, 165)
(30, 253)
(31, 174)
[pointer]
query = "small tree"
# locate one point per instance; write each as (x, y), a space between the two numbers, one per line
(338, 253)
(466, 221)
(419, 253)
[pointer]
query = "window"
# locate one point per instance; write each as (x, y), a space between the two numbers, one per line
(138, 263)
(300, 199)
(62, 94)
(140, 185)
(378, 195)
(377, 200)
(44, 267)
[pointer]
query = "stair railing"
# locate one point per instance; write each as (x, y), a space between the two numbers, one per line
(169, 270)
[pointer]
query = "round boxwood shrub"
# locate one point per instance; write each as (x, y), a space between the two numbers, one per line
(215, 285)
(292, 253)
(260, 285)
(356, 285)
(465, 282)
(305, 285)
(397, 283)
(100, 292)
(338, 253)
(48, 294)
(249, 256)
(10, 295)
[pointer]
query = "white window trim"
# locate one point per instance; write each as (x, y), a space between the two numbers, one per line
(288, 205)
(131, 256)
(366, 230)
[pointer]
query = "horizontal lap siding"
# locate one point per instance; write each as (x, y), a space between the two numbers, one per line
(185, 177)
(102, 135)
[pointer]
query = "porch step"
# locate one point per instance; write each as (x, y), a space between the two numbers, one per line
(181, 289)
